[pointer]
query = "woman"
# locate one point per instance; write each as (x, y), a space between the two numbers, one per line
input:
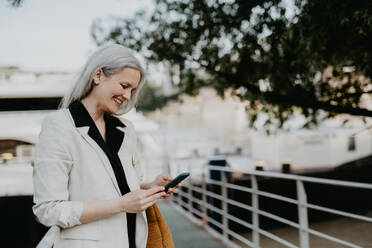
(86, 179)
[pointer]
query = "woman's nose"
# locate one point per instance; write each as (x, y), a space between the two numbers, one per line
(127, 95)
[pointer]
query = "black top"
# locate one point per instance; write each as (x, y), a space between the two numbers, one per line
(114, 139)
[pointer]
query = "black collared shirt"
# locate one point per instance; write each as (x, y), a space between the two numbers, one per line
(114, 139)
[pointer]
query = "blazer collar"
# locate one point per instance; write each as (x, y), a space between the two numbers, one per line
(82, 117)
(114, 127)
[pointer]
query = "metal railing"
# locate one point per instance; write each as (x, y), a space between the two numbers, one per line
(198, 209)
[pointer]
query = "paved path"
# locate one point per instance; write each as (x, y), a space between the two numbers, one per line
(185, 234)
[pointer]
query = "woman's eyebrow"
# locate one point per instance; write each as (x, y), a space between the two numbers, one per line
(128, 83)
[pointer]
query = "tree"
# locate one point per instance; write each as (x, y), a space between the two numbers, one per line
(305, 57)
(152, 98)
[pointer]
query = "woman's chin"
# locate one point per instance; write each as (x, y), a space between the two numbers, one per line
(112, 109)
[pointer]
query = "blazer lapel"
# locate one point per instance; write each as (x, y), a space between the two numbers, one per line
(126, 158)
(106, 163)
(121, 129)
(130, 172)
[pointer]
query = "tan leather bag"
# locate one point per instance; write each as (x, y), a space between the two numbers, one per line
(159, 233)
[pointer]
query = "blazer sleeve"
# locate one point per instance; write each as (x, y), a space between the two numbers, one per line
(52, 166)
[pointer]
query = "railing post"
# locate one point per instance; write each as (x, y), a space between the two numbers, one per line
(225, 220)
(179, 196)
(255, 216)
(204, 195)
(302, 215)
(190, 193)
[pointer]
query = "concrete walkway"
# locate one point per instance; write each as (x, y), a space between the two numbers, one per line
(185, 234)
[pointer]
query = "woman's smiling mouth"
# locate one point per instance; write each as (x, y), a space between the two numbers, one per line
(118, 100)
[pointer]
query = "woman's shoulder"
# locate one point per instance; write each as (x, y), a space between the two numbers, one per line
(127, 123)
(129, 126)
(56, 127)
(58, 118)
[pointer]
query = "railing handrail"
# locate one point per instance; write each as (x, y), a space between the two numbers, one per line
(261, 231)
(293, 177)
(301, 201)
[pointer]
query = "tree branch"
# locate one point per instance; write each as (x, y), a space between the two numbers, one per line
(299, 100)
(344, 96)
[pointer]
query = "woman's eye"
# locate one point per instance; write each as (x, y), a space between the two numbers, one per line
(124, 86)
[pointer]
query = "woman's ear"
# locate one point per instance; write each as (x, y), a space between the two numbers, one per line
(98, 76)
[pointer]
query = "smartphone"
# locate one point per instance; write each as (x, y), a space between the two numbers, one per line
(176, 181)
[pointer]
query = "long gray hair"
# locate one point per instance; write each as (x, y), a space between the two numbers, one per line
(111, 59)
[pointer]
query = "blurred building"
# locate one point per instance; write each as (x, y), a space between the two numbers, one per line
(204, 125)
(195, 128)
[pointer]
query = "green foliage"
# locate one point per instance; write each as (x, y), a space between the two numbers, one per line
(9, 68)
(152, 98)
(15, 3)
(277, 56)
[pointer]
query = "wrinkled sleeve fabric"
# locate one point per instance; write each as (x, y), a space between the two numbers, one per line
(137, 166)
(52, 165)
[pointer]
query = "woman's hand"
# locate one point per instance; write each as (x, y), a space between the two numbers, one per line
(162, 180)
(139, 200)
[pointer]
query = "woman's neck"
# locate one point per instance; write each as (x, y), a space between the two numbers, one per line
(94, 110)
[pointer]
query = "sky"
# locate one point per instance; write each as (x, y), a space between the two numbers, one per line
(52, 35)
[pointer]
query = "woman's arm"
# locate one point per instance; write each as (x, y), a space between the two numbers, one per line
(53, 164)
(132, 202)
(98, 210)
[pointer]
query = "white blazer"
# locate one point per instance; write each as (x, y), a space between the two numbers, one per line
(71, 168)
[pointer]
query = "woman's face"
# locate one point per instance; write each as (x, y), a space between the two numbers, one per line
(110, 92)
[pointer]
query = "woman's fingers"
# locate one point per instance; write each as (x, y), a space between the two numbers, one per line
(173, 190)
(139, 200)
(150, 204)
(155, 193)
(157, 196)
(154, 197)
(154, 190)
(162, 179)
(166, 176)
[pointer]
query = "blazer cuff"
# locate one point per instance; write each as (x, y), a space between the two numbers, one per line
(71, 213)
